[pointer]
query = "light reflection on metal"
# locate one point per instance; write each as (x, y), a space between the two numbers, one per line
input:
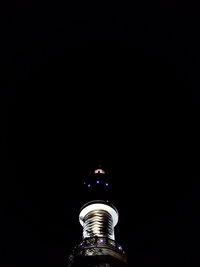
(94, 206)
(98, 223)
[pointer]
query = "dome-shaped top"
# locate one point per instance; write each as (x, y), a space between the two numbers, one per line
(99, 171)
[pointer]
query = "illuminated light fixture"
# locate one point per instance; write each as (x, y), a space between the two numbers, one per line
(102, 207)
(99, 171)
(98, 182)
(100, 241)
(89, 185)
(107, 184)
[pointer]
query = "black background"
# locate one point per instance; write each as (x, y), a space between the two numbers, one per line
(156, 196)
(103, 104)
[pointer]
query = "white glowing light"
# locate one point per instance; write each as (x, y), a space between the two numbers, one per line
(99, 206)
(99, 171)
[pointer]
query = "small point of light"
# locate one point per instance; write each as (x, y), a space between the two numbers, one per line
(119, 247)
(98, 182)
(112, 242)
(89, 185)
(107, 184)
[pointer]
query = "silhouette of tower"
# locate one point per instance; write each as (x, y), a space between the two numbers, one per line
(98, 218)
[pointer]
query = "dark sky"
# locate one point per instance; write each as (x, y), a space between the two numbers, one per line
(80, 107)
(156, 197)
(37, 41)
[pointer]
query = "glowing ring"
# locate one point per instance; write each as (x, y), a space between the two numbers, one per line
(99, 206)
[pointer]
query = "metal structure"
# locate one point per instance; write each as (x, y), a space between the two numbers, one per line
(98, 218)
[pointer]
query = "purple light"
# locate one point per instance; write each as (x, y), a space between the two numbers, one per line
(107, 184)
(89, 185)
(100, 241)
(97, 182)
(119, 247)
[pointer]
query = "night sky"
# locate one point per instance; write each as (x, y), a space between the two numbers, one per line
(77, 108)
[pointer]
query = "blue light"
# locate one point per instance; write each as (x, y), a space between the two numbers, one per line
(98, 182)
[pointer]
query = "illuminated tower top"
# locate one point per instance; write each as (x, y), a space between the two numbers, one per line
(98, 217)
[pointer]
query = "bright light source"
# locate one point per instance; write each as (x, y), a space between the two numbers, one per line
(100, 241)
(99, 171)
(99, 206)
